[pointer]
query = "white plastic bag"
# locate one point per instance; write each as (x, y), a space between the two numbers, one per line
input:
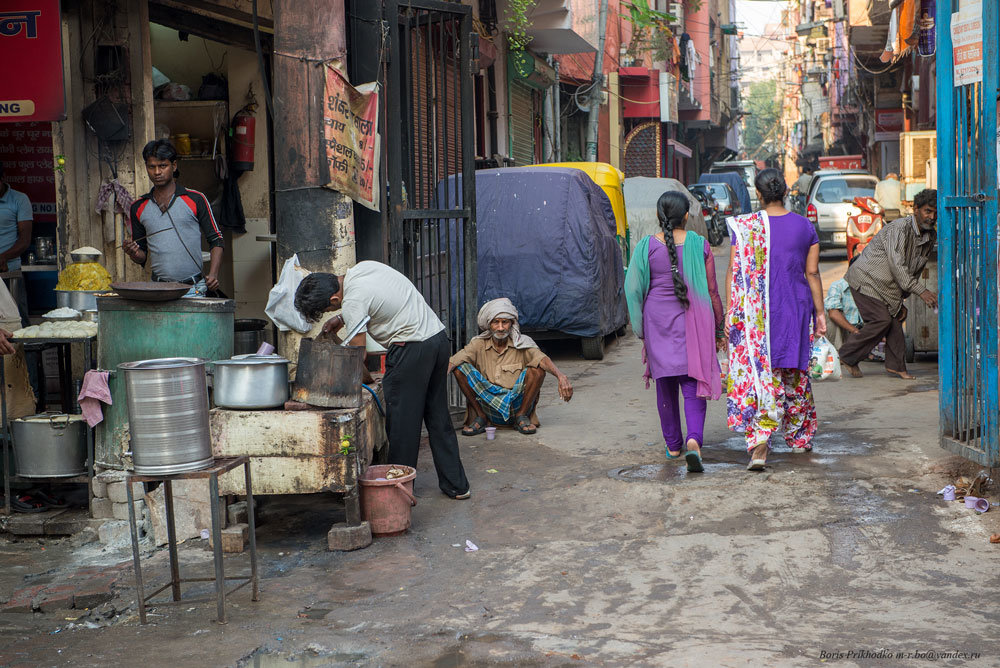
(281, 300)
(8, 307)
(824, 362)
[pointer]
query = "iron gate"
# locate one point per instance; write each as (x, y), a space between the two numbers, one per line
(430, 123)
(968, 254)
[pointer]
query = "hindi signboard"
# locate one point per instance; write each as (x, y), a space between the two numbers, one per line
(26, 154)
(967, 44)
(351, 139)
(31, 48)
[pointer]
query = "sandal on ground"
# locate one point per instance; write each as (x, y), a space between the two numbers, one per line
(693, 459)
(27, 504)
(474, 428)
(674, 454)
(757, 463)
(48, 500)
(524, 425)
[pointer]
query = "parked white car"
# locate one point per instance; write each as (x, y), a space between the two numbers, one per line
(830, 203)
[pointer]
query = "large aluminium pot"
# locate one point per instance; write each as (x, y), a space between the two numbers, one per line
(50, 445)
(81, 300)
(168, 415)
(251, 382)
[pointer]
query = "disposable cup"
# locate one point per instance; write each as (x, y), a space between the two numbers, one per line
(491, 433)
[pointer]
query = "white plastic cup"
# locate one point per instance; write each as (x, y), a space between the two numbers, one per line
(265, 349)
(491, 433)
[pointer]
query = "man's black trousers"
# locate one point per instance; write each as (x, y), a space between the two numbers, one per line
(416, 390)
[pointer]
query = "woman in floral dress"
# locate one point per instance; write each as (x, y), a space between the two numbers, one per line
(775, 301)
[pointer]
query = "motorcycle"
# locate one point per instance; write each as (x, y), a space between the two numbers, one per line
(863, 225)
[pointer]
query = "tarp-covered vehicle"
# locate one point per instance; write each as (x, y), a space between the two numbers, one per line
(546, 239)
(641, 195)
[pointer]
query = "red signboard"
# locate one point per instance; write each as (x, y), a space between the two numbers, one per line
(31, 50)
(888, 124)
(26, 154)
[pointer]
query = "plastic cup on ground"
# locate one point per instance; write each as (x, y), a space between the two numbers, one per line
(491, 433)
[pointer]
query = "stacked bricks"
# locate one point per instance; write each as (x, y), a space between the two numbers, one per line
(111, 503)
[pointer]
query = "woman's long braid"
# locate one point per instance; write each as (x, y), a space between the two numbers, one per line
(668, 225)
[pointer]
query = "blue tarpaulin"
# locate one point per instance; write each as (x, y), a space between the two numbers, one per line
(736, 181)
(546, 239)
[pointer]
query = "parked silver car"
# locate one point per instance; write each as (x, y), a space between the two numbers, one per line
(829, 202)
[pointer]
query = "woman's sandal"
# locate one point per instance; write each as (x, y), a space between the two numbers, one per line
(27, 504)
(671, 455)
(478, 426)
(48, 500)
(524, 425)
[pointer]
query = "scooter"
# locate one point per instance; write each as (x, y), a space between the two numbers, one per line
(863, 225)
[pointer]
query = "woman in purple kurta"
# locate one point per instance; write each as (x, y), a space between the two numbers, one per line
(679, 329)
(791, 307)
(782, 394)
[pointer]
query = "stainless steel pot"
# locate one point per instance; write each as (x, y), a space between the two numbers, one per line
(168, 415)
(248, 334)
(50, 445)
(81, 300)
(251, 382)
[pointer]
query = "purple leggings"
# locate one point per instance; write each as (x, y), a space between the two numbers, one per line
(670, 415)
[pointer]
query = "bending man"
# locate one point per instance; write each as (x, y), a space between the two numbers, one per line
(501, 371)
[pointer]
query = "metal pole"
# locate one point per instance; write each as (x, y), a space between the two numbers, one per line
(557, 112)
(597, 81)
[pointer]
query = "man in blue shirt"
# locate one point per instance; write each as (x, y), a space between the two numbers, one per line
(15, 237)
(15, 225)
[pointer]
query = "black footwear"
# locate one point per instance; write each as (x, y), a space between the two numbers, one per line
(477, 426)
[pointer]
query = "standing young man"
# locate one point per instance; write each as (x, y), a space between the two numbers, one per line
(168, 223)
(416, 366)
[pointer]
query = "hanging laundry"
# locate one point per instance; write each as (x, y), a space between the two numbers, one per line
(685, 59)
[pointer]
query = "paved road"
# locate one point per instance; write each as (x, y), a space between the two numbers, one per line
(593, 550)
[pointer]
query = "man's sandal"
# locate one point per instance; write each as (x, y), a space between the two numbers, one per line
(476, 427)
(524, 425)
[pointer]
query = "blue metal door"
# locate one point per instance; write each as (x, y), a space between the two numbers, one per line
(967, 246)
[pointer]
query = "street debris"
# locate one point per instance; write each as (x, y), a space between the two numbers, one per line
(492, 471)
(995, 538)
(977, 504)
(471, 547)
(947, 493)
(394, 473)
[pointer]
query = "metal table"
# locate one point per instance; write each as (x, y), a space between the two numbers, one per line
(66, 381)
(221, 465)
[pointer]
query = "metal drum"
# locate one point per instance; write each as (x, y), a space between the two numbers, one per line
(168, 415)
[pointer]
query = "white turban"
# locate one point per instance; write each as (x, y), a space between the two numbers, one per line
(503, 308)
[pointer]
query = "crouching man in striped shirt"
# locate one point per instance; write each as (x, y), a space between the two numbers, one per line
(883, 276)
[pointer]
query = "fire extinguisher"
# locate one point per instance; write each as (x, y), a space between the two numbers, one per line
(242, 131)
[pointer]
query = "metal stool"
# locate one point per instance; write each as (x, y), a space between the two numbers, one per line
(221, 465)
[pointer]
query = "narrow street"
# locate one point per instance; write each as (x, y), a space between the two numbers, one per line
(594, 550)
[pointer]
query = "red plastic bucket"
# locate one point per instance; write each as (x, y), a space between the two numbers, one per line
(385, 504)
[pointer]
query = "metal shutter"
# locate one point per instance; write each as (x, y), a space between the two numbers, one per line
(522, 123)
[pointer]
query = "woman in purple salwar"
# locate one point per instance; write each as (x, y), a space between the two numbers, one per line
(675, 309)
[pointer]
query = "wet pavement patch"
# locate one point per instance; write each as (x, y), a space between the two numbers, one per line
(310, 658)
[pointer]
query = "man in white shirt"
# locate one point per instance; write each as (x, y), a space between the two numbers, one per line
(888, 193)
(416, 366)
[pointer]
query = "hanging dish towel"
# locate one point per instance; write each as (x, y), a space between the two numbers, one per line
(93, 392)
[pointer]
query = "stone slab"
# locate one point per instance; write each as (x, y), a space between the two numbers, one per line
(102, 508)
(120, 510)
(237, 513)
(98, 488)
(345, 538)
(115, 534)
(192, 510)
(72, 522)
(118, 493)
(31, 524)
